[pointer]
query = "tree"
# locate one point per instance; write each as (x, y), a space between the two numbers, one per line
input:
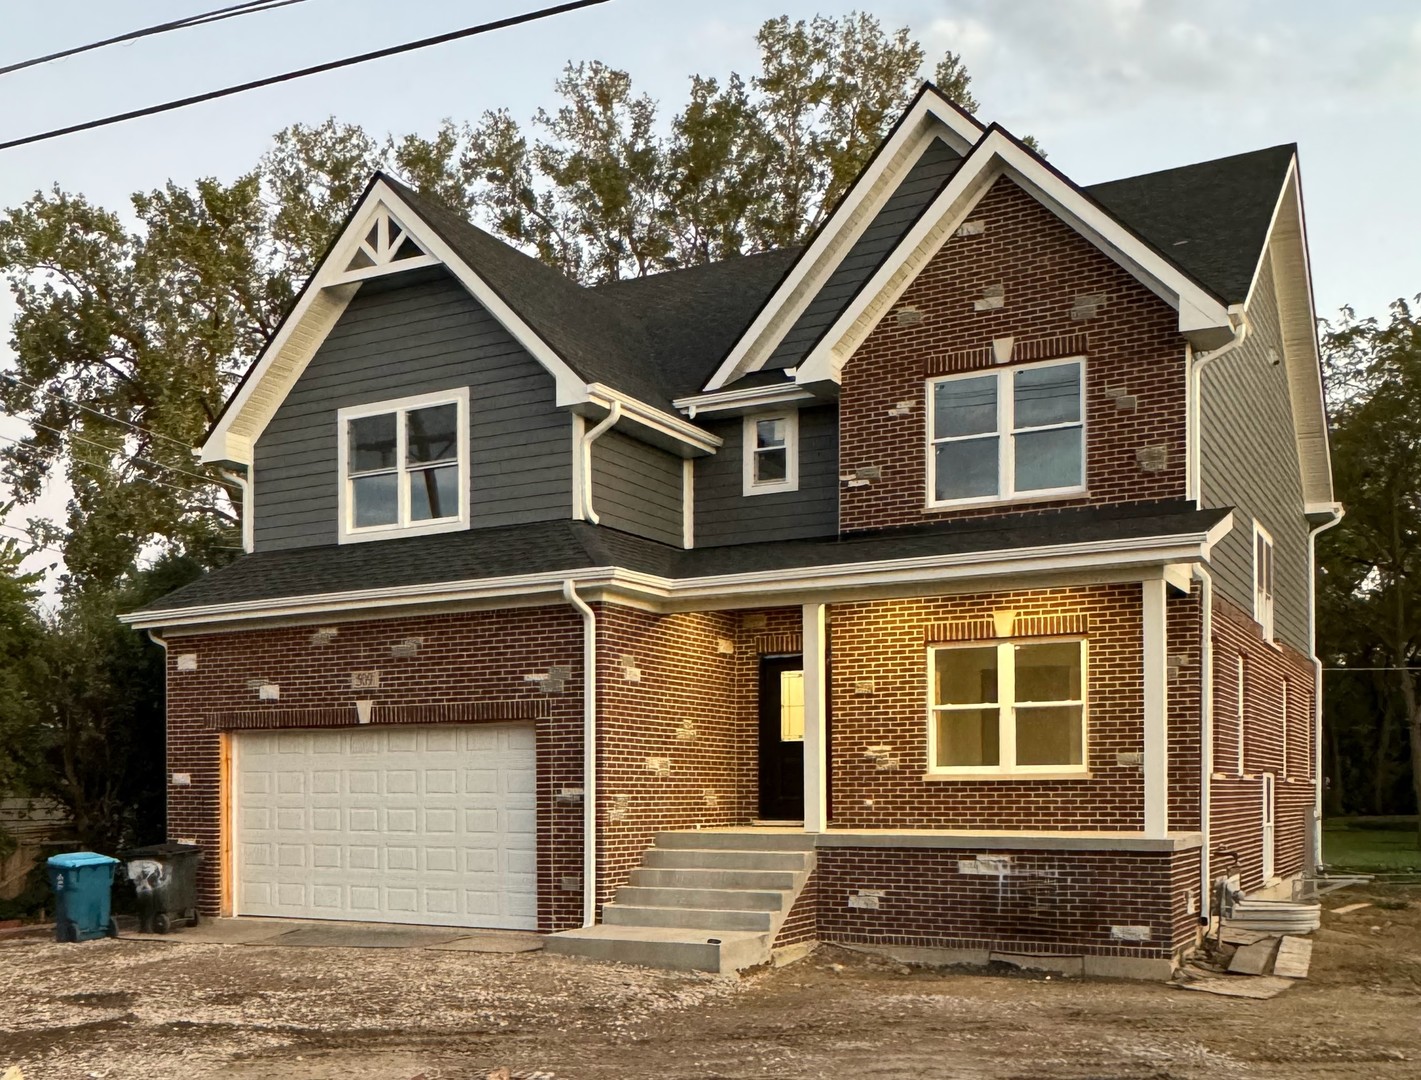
(19, 712)
(1371, 563)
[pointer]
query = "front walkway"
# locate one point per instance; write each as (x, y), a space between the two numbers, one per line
(322, 933)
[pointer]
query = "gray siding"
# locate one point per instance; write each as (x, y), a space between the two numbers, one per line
(637, 488)
(400, 340)
(1249, 460)
(923, 181)
(724, 515)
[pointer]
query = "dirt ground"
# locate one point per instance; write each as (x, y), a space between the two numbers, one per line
(142, 1008)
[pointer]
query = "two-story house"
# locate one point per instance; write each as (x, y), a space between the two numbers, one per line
(945, 582)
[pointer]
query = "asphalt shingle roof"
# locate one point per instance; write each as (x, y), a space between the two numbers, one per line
(551, 546)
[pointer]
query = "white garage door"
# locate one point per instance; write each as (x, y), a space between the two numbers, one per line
(432, 825)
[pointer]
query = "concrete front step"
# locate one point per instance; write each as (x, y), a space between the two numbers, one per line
(738, 839)
(723, 859)
(692, 918)
(713, 879)
(723, 899)
(664, 947)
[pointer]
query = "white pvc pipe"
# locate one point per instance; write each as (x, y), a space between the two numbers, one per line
(1194, 466)
(589, 752)
(613, 415)
(1206, 736)
(1338, 514)
(248, 525)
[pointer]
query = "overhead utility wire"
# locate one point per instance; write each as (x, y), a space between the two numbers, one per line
(251, 7)
(109, 450)
(90, 409)
(332, 65)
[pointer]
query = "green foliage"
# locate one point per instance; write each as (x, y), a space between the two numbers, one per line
(20, 635)
(1370, 580)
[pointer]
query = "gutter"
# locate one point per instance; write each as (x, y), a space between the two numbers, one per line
(614, 413)
(1337, 514)
(1206, 736)
(1197, 363)
(248, 522)
(589, 752)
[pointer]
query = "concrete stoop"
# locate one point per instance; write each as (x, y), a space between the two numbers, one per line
(702, 900)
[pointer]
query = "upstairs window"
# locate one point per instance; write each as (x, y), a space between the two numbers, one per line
(771, 452)
(1009, 434)
(404, 466)
(1009, 707)
(1263, 580)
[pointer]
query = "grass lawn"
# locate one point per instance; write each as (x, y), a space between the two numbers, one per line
(1371, 845)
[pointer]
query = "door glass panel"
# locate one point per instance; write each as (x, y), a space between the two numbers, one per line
(1049, 735)
(965, 676)
(791, 706)
(967, 737)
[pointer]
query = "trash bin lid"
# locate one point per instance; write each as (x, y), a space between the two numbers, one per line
(73, 859)
(162, 851)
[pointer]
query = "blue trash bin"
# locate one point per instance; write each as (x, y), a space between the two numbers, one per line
(82, 882)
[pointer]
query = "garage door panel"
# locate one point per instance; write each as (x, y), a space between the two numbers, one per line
(419, 824)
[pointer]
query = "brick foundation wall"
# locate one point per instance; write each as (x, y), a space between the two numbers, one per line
(468, 667)
(1055, 903)
(1132, 347)
(883, 643)
(1237, 799)
(802, 922)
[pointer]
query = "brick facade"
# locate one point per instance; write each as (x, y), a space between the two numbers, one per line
(1131, 343)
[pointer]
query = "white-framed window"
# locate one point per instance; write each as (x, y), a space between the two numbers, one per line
(771, 452)
(1014, 433)
(1263, 580)
(404, 466)
(1007, 708)
(1239, 708)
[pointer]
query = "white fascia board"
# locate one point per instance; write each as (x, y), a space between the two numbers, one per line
(751, 397)
(930, 571)
(995, 156)
(658, 420)
(930, 117)
(331, 275)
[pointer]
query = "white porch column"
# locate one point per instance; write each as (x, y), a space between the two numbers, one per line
(1154, 656)
(816, 712)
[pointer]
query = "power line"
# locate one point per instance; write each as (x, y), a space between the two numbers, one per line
(115, 450)
(332, 65)
(1372, 669)
(89, 409)
(251, 7)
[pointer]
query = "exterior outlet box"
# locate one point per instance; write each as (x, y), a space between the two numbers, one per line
(269, 692)
(182, 779)
(187, 661)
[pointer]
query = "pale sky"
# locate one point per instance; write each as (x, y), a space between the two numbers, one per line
(1111, 88)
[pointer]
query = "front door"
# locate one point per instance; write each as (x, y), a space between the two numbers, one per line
(1269, 825)
(782, 738)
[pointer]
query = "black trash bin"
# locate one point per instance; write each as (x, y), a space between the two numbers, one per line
(165, 878)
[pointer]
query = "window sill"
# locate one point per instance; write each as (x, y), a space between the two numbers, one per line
(769, 489)
(394, 532)
(1058, 774)
(1016, 500)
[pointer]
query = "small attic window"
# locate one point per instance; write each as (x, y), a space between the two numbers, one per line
(385, 244)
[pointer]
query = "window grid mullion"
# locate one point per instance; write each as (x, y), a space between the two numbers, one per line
(1006, 698)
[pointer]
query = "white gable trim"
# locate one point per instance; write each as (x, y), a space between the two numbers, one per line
(1000, 155)
(930, 116)
(322, 303)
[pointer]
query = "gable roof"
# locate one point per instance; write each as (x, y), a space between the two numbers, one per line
(1210, 219)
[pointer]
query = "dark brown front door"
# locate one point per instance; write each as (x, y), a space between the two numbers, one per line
(782, 738)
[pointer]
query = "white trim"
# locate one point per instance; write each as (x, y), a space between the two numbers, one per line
(657, 420)
(579, 429)
(589, 479)
(1263, 605)
(1007, 705)
(1268, 838)
(1024, 840)
(590, 831)
(1241, 707)
(1283, 766)
(1207, 660)
(1154, 648)
(750, 397)
(348, 533)
(931, 116)
(243, 481)
(1005, 436)
(997, 154)
(688, 503)
(1335, 509)
(815, 627)
(932, 570)
(749, 450)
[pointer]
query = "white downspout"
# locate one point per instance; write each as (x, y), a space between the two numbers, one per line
(1206, 736)
(613, 415)
(589, 751)
(248, 527)
(1338, 514)
(1197, 363)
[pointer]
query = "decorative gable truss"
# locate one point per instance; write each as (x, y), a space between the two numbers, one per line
(387, 248)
